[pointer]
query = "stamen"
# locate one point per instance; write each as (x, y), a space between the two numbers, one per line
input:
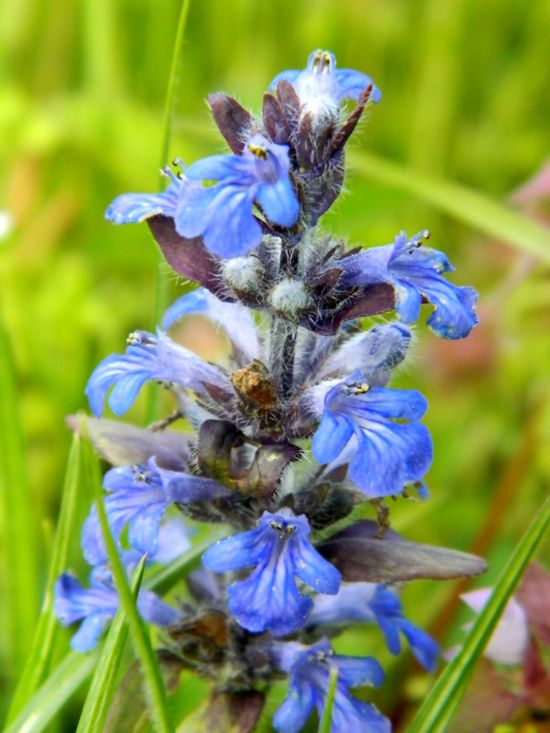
(258, 151)
(356, 389)
(169, 173)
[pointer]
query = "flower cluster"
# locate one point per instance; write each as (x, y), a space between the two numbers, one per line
(295, 432)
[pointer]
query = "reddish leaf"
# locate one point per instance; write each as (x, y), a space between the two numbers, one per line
(360, 556)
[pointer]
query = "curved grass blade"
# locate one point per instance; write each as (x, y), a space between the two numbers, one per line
(61, 684)
(438, 707)
(104, 682)
(19, 564)
(326, 722)
(472, 207)
(46, 630)
(154, 685)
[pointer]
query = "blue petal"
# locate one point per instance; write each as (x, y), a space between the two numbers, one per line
(279, 202)
(454, 314)
(351, 83)
(390, 627)
(144, 529)
(93, 545)
(407, 404)
(350, 714)
(183, 488)
(193, 302)
(269, 599)
(295, 710)
(389, 456)
(424, 648)
(126, 390)
(238, 551)
(156, 611)
(234, 318)
(133, 208)
(331, 437)
(233, 229)
(226, 167)
(312, 568)
(88, 634)
(195, 209)
(291, 76)
(355, 671)
(408, 300)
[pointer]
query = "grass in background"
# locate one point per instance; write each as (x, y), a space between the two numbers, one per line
(81, 120)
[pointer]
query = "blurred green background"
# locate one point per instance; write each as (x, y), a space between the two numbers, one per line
(466, 99)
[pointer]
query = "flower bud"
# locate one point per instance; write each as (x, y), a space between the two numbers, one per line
(290, 298)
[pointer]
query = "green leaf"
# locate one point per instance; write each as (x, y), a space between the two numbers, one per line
(472, 207)
(61, 684)
(326, 721)
(45, 633)
(444, 697)
(20, 556)
(105, 679)
(154, 686)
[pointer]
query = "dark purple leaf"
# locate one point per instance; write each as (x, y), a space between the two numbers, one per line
(275, 121)
(369, 301)
(290, 101)
(487, 703)
(188, 257)
(534, 595)
(343, 134)
(267, 467)
(230, 712)
(233, 120)
(360, 556)
(217, 438)
(122, 444)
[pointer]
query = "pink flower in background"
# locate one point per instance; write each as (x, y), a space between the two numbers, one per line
(509, 641)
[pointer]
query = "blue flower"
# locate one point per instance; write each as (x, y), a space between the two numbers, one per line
(148, 357)
(357, 428)
(134, 208)
(309, 670)
(140, 495)
(95, 607)
(322, 84)
(234, 318)
(269, 598)
(371, 603)
(373, 354)
(222, 214)
(415, 272)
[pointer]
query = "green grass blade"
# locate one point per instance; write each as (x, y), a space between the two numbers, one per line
(472, 207)
(326, 722)
(447, 692)
(154, 684)
(45, 633)
(56, 690)
(20, 557)
(161, 294)
(61, 684)
(104, 682)
(172, 84)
